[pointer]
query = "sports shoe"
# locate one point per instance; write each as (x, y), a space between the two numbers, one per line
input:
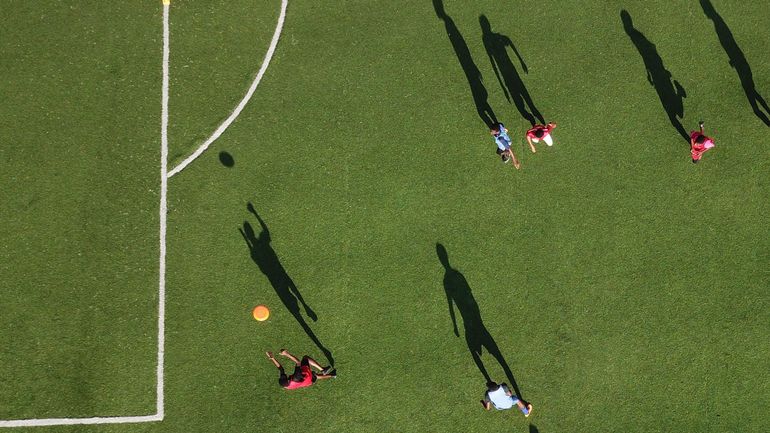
(505, 158)
(327, 370)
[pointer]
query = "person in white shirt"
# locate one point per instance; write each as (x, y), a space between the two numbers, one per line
(501, 397)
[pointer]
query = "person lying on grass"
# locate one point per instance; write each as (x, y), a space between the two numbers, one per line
(699, 143)
(503, 141)
(303, 375)
(540, 132)
(501, 397)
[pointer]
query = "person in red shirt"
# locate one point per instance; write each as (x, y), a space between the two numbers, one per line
(540, 132)
(699, 143)
(303, 375)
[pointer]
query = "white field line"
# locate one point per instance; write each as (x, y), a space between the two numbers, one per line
(40, 422)
(219, 131)
(163, 212)
(158, 416)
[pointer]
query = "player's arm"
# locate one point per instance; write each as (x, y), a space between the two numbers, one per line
(531, 146)
(513, 159)
(507, 390)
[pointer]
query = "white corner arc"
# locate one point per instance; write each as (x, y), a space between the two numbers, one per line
(230, 119)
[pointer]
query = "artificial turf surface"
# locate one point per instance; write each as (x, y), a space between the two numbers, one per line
(625, 287)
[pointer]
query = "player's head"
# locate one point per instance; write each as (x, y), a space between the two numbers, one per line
(539, 133)
(701, 139)
(492, 386)
(494, 129)
(283, 381)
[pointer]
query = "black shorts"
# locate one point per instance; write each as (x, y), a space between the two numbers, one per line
(298, 375)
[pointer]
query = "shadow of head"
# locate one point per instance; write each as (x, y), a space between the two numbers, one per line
(708, 8)
(443, 256)
(533, 429)
(486, 27)
(626, 18)
(248, 231)
(438, 5)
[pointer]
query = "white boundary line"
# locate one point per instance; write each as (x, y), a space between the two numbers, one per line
(219, 131)
(164, 176)
(158, 416)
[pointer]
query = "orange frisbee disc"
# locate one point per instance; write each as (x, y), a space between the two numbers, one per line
(260, 313)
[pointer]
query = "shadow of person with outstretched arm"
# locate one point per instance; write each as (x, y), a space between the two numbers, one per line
(671, 95)
(472, 73)
(267, 261)
(497, 46)
(459, 295)
(738, 62)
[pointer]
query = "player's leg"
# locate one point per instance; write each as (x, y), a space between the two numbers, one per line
(273, 360)
(548, 139)
(525, 409)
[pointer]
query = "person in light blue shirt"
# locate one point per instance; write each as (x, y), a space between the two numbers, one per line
(501, 397)
(503, 141)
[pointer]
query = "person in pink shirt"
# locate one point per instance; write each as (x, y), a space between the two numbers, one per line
(303, 375)
(540, 132)
(699, 143)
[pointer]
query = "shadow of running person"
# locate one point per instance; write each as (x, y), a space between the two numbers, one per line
(266, 259)
(737, 61)
(459, 295)
(472, 72)
(497, 45)
(671, 95)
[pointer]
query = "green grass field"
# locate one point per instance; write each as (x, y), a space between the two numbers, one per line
(625, 287)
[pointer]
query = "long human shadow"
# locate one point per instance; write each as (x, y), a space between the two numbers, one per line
(515, 91)
(472, 72)
(737, 61)
(267, 261)
(460, 296)
(671, 94)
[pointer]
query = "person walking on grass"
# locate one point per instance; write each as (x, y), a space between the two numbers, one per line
(501, 397)
(503, 141)
(540, 132)
(699, 143)
(303, 375)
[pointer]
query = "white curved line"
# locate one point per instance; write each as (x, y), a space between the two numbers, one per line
(244, 101)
